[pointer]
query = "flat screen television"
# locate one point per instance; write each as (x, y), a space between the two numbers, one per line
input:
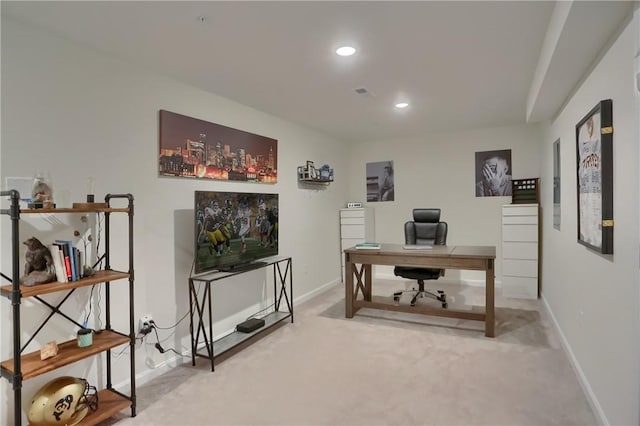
(234, 230)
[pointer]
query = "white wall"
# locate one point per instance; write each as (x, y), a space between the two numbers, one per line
(76, 112)
(439, 171)
(595, 299)
(82, 113)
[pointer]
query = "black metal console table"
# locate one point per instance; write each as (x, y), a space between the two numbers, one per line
(201, 313)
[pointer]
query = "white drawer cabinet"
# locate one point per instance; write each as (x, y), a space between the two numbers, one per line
(354, 231)
(356, 226)
(520, 251)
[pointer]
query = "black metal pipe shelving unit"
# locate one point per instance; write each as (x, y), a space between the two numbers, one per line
(16, 370)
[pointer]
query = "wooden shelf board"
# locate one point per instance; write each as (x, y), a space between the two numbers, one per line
(52, 287)
(109, 403)
(92, 209)
(68, 353)
(315, 181)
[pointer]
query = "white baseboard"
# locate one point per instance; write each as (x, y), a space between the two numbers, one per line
(584, 383)
(151, 373)
(316, 292)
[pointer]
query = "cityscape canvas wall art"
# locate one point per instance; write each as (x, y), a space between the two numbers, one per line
(198, 149)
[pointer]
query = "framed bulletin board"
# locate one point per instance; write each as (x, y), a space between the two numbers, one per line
(594, 147)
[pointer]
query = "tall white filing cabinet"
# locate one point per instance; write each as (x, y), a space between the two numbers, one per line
(356, 226)
(520, 236)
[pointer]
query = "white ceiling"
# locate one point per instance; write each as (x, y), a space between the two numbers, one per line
(460, 64)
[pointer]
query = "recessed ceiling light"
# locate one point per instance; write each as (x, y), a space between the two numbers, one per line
(402, 105)
(346, 51)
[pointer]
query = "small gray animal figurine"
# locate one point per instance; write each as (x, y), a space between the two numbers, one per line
(38, 257)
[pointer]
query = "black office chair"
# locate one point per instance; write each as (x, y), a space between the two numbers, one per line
(425, 229)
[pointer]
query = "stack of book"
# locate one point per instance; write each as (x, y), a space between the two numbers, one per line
(367, 246)
(67, 261)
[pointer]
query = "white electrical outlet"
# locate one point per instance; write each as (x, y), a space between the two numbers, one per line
(145, 321)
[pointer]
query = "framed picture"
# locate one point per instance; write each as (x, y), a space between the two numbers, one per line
(594, 147)
(493, 173)
(380, 184)
(194, 148)
(556, 184)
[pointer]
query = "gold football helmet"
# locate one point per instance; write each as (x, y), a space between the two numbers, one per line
(63, 401)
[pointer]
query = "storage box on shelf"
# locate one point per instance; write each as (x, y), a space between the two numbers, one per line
(24, 366)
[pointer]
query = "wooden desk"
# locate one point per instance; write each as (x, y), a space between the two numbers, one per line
(480, 258)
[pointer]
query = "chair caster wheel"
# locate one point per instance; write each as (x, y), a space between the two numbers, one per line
(396, 298)
(444, 305)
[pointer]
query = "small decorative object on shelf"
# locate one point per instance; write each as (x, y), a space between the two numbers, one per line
(49, 350)
(65, 400)
(38, 263)
(309, 173)
(42, 192)
(90, 204)
(525, 191)
(86, 238)
(85, 337)
(90, 188)
(326, 173)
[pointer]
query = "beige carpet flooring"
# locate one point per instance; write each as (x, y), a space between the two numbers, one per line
(380, 368)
